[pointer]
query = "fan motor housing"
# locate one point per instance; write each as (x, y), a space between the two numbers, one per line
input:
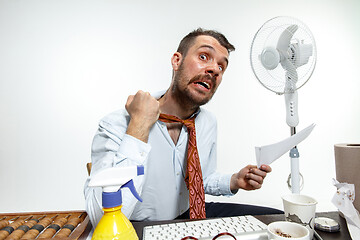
(270, 58)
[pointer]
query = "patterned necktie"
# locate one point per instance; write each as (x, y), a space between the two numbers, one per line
(193, 178)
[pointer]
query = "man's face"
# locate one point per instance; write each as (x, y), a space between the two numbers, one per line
(200, 72)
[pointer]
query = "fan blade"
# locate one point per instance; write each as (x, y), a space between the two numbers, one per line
(284, 39)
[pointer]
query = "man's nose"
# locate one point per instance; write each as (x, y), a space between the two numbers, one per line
(213, 70)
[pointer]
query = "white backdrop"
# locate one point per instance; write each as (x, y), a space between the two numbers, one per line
(65, 64)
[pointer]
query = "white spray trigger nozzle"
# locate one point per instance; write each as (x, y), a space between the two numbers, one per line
(112, 179)
(130, 185)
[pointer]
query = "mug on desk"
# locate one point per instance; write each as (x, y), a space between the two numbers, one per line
(287, 230)
(300, 209)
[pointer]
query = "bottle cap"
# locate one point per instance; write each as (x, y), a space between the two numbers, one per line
(111, 199)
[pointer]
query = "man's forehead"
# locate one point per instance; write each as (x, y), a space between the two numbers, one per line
(205, 41)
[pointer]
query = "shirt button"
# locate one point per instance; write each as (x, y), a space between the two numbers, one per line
(177, 174)
(142, 154)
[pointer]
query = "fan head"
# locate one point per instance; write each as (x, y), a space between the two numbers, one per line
(283, 54)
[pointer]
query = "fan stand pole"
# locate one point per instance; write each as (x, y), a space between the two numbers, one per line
(295, 170)
(295, 173)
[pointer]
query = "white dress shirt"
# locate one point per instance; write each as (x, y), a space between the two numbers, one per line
(162, 187)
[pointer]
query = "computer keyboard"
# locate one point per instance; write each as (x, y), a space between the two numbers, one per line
(242, 227)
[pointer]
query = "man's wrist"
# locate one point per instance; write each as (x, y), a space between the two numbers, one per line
(138, 130)
(233, 183)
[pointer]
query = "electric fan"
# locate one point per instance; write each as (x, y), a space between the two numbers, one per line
(283, 58)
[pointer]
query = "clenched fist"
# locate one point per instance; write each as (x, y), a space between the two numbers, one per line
(144, 111)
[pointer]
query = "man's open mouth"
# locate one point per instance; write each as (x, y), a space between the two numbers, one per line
(204, 84)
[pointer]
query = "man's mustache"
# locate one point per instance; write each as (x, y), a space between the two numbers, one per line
(204, 77)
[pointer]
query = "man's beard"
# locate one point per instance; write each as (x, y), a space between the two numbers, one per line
(185, 96)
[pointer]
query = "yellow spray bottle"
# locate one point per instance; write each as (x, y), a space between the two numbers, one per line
(114, 224)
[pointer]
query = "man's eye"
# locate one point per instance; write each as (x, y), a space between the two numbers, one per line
(203, 57)
(221, 68)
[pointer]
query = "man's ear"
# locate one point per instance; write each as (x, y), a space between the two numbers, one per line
(176, 61)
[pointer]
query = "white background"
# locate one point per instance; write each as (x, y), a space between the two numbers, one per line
(65, 64)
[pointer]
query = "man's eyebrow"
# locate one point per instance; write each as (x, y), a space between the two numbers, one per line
(207, 46)
(213, 49)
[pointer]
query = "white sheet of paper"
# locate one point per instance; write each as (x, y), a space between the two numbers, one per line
(269, 153)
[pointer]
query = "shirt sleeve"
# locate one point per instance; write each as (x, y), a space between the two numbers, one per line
(112, 147)
(215, 183)
(219, 184)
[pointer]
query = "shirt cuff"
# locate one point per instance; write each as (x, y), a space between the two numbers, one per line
(133, 149)
(224, 185)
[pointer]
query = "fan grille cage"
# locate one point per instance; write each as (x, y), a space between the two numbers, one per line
(268, 35)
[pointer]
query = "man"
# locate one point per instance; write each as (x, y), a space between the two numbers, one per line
(136, 136)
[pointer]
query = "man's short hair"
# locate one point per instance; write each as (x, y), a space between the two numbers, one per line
(189, 39)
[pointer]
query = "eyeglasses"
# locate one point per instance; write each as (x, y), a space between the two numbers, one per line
(216, 237)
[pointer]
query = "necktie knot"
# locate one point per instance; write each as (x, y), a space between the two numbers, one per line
(189, 123)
